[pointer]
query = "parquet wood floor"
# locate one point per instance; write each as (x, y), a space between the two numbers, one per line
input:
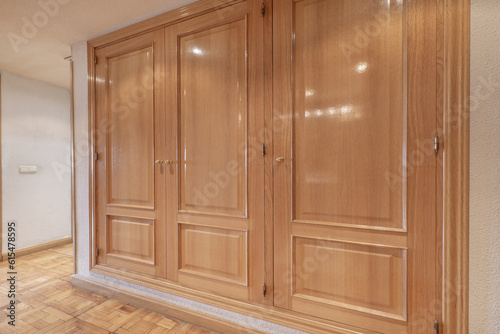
(47, 303)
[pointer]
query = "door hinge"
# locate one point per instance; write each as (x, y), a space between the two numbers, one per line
(436, 143)
(264, 289)
(263, 150)
(436, 327)
(263, 9)
(96, 156)
(97, 252)
(95, 60)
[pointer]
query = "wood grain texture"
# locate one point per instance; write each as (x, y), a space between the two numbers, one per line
(213, 95)
(214, 252)
(216, 183)
(267, 138)
(130, 151)
(439, 155)
(342, 130)
(129, 138)
(381, 269)
(282, 63)
(1, 220)
(336, 85)
(455, 292)
(422, 206)
(455, 48)
(347, 114)
(131, 238)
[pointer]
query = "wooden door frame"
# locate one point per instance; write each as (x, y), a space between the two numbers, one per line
(455, 159)
(1, 201)
(453, 28)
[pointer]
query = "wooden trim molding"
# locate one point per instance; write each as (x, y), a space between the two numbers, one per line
(455, 284)
(91, 149)
(1, 200)
(174, 311)
(72, 158)
(163, 20)
(41, 247)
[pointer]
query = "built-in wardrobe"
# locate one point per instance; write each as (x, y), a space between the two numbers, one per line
(278, 159)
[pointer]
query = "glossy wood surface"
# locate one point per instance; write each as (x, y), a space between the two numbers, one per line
(130, 146)
(452, 15)
(1, 228)
(131, 239)
(422, 165)
(130, 138)
(454, 295)
(216, 186)
(355, 204)
(213, 120)
(347, 135)
(353, 276)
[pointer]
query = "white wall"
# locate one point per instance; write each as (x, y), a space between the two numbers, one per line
(35, 132)
(485, 168)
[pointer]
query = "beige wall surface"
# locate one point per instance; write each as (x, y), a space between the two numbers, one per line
(485, 168)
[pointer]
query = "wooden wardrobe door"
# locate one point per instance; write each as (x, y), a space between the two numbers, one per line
(355, 170)
(216, 183)
(130, 137)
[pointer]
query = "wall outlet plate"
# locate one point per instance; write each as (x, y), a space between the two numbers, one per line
(27, 169)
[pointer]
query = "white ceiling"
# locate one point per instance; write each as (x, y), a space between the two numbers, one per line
(34, 41)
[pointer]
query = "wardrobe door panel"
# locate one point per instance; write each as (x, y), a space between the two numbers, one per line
(215, 186)
(130, 146)
(213, 120)
(129, 135)
(355, 169)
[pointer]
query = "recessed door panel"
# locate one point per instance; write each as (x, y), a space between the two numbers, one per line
(215, 252)
(213, 119)
(215, 77)
(359, 277)
(354, 174)
(349, 112)
(130, 150)
(131, 239)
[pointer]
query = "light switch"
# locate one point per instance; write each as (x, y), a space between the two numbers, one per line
(27, 169)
